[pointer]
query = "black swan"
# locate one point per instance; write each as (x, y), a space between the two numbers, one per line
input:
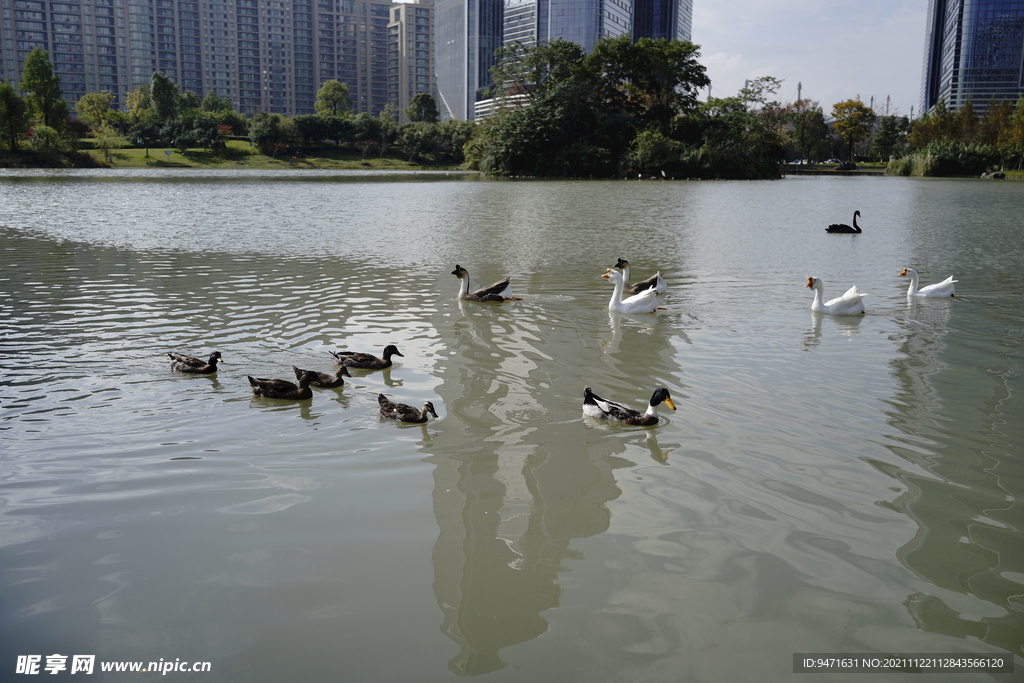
(844, 228)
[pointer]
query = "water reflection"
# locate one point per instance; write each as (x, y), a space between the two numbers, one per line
(512, 487)
(846, 325)
(959, 477)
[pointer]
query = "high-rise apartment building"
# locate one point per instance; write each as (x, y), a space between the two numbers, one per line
(265, 55)
(410, 53)
(974, 50)
(467, 30)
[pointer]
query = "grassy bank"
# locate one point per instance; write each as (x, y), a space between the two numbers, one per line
(237, 155)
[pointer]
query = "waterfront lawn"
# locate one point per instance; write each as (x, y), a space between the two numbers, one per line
(240, 155)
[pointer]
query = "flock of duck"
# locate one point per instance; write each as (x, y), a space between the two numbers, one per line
(638, 297)
(304, 379)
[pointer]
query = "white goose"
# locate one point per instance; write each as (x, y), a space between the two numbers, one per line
(644, 302)
(848, 304)
(655, 281)
(944, 288)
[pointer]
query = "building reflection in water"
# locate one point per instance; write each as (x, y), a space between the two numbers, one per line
(512, 489)
(950, 411)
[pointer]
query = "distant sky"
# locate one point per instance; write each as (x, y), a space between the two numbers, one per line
(837, 49)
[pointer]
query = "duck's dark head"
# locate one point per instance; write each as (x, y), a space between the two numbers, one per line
(622, 264)
(428, 407)
(344, 371)
(391, 350)
(459, 271)
(661, 395)
(214, 357)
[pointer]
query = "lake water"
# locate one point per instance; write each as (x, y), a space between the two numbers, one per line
(826, 485)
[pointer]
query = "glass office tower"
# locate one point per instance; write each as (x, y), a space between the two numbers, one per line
(670, 19)
(467, 32)
(974, 50)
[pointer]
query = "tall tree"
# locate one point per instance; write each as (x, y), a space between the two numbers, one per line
(422, 107)
(661, 78)
(106, 138)
(333, 99)
(521, 69)
(996, 119)
(213, 103)
(890, 137)
(47, 141)
(966, 123)
(139, 103)
(1012, 138)
(41, 87)
(389, 128)
(145, 134)
(854, 122)
(163, 93)
(13, 116)
(189, 101)
(810, 132)
(94, 108)
(267, 133)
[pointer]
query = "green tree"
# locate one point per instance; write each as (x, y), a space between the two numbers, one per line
(810, 132)
(389, 128)
(660, 78)
(189, 101)
(14, 118)
(333, 99)
(41, 87)
(937, 125)
(741, 136)
(422, 107)
(163, 94)
(139, 104)
(47, 141)
(453, 136)
(267, 133)
(996, 119)
(890, 138)
(94, 108)
(652, 153)
(106, 138)
(1011, 141)
(366, 133)
(205, 131)
(213, 103)
(237, 122)
(521, 69)
(853, 122)
(418, 138)
(965, 123)
(145, 134)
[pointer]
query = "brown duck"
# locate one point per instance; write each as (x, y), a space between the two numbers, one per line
(323, 379)
(280, 388)
(403, 412)
(183, 363)
(367, 361)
